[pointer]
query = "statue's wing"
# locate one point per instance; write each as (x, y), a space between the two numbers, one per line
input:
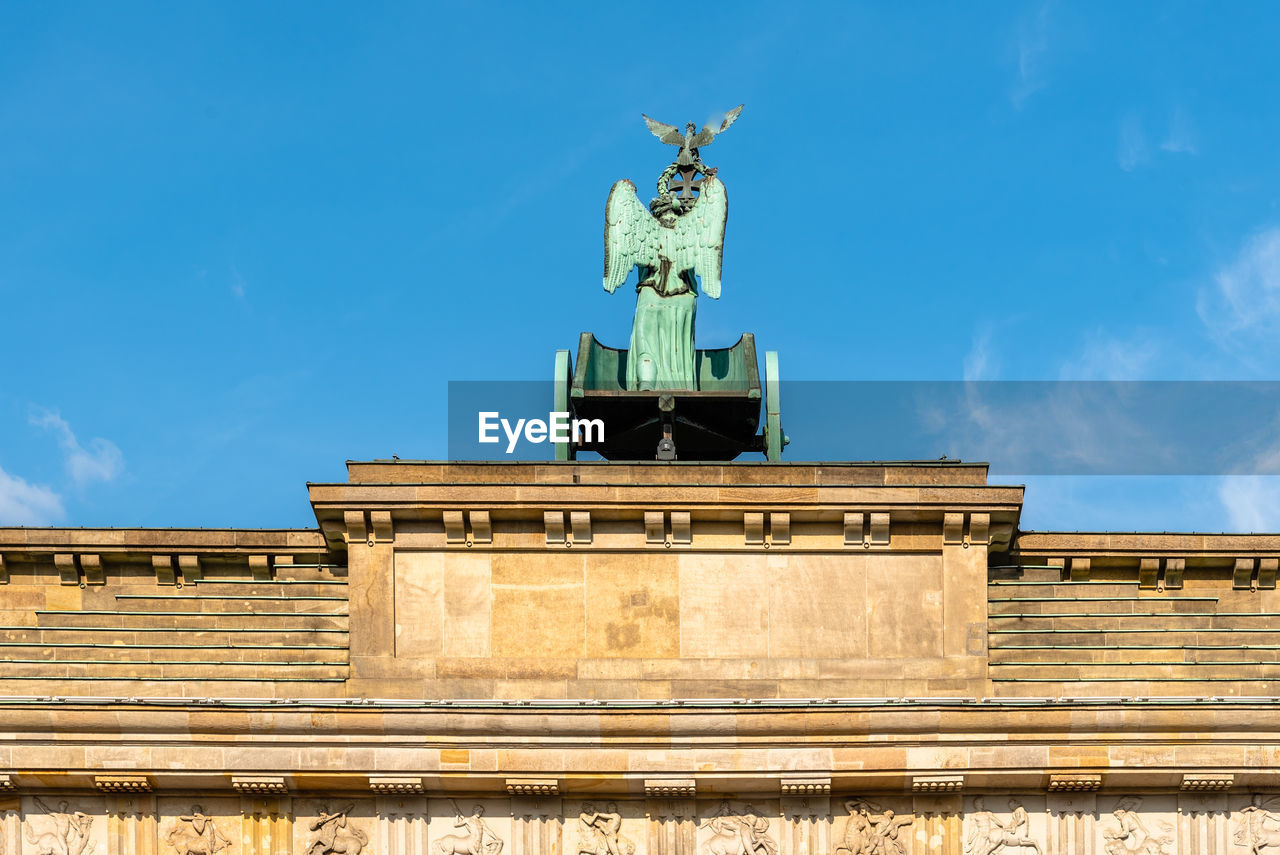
(730, 117)
(699, 242)
(669, 134)
(702, 138)
(708, 133)
(630, 234)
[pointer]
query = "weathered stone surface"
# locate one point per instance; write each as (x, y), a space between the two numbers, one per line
(383, 679)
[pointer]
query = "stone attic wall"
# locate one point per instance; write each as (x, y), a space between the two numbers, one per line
(544, 822)
(113, 617)
(621, 582)
(577, 581)
(1135, 615)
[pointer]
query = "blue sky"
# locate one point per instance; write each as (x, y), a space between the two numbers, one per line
(242, 243)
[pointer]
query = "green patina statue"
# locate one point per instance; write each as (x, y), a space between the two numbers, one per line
(675, 241)
(663, 398)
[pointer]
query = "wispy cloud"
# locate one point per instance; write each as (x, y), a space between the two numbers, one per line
(101, 461)
(1033, 42)
(1182, 135)
(1131, 148)
(1242, 307)
(980, 363)
(24, 503)
(1252, 502)
(1108, 357)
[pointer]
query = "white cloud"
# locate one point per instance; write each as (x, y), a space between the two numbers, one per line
(1252, 502)
(1244, 302)
(980, 363)
(1132, 146)
(1106, 357)
(1182, 136)
(101, 461)
(1033, 42)
(22, 503)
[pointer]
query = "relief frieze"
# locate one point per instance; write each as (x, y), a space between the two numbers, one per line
(986, 824)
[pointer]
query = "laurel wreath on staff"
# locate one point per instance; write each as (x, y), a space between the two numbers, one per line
(663, 202)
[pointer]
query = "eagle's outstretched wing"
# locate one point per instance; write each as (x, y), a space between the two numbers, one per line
(730, 117)
(669, 134)
(708, 133)
(699, 236)
(631, 234)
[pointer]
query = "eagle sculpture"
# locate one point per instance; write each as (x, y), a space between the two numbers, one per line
(689, 141)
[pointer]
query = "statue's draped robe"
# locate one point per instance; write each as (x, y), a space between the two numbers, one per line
(662, 355)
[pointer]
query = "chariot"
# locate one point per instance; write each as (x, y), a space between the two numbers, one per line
(718, 420)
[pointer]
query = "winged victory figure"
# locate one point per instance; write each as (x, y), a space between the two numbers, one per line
(672, 243)
(688, 141)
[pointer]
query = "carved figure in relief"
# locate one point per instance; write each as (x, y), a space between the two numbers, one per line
(1258, 827)
(599, 831)
(66, 832)
(334, 836)
(1131, 836)
(747, 834)
(870, 831)
(884, 833)
(479, 839)
(856, 839)
(988, 835)
(198, 836)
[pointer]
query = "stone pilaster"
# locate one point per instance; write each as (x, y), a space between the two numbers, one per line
(1203, 824)
(402, 824)
(806, 825)
(937, 826)
(266, 826)
(10, 823)
(673, 824)
(535, 824)
(1072, 820)
(131, 824)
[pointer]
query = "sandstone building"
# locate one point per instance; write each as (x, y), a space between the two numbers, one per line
(640, 659)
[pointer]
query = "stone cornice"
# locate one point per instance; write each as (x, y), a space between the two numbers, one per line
(728, 498)
(1101, 724)
(157, 540)
(1040, 544)
(872, 473)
